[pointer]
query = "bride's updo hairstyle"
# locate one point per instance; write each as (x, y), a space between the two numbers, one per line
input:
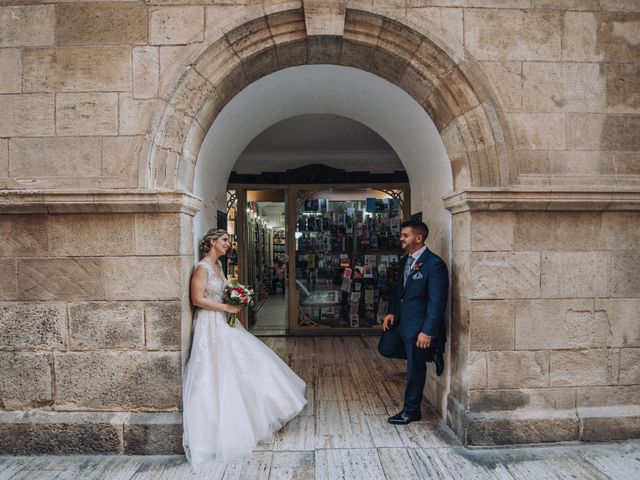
(211, 235)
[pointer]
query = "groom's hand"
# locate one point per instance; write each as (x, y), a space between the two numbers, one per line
(388, 321)
(424, 340)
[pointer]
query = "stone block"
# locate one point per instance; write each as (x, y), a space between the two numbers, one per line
(574, 163)
(220, 19)
(23, 236)
(27, 26)
(560, 324)
(325, 50)
(25, 381)
(4, 157)
(582, 38)
(522, 399)
(620, 163)
(174, 60)
(568, 231)
(8, 279)
(60, 433)
(584, 131)
(507, 78)
(33, 326)
(135, 115)
(55, 156)
(87, 114)
(566, 4)
(461, 232)
(91, 235)
(162, 325)
(575, 274)
(176, 25)
(622, 316)
(563, 87)
(492, 325)
(492, 231)
(142, 278)
(538, 428)
(618, 37)
(186, 234)
(60, 279)
(533, 162)
(584, 367)
(356, 55)
(620, 230)
(11, 73)
(118, 157)
(146, 71)
(153, 434)
(513, 35)
(625, 281)
(157, 234)
(82, 24)
(539, 131)
(77, 69)
(261, 64)
(118, 380)
(607, 396)
(620, 132)
(477, 370)
(623, 88)
(604, 427)
(111, 326)
(630, 366)
(27, 115)
(291, 54)
(505, 275)
(518, 369)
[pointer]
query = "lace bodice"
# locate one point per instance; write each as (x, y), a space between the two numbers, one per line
(215, 281)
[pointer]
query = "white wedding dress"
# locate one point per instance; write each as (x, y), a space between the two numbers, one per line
(236, 391)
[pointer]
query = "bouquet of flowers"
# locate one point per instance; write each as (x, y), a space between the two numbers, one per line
(238, 295)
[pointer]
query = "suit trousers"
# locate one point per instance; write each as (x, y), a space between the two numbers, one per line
(393, 344)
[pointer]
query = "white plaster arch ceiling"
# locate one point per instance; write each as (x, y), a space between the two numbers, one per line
(337, 90)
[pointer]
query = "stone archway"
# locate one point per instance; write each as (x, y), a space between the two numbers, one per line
(439, 75)
(443, 80)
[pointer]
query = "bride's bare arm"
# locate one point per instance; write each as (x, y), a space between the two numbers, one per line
(198, 285)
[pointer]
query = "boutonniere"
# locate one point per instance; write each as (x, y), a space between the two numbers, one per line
(415, 274)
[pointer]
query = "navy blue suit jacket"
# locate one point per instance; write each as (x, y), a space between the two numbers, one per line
(419, 305)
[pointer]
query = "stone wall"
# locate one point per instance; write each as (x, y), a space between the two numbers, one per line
(551, 306)
(103, 107)
(90, 321)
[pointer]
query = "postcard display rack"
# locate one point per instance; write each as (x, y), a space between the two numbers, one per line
(347, 254)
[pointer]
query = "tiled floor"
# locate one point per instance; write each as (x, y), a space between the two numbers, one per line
(271, 319)
(343, 434)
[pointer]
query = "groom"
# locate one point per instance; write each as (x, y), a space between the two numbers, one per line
(414, 327)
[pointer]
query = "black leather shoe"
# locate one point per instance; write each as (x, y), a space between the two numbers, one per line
(438, 360)
(403, 418)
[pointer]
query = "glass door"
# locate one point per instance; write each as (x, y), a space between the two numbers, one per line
(346, 256)
(266, 260)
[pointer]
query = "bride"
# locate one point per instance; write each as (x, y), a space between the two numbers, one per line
(236, 391)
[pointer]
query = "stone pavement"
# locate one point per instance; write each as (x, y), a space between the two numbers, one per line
(576, 461)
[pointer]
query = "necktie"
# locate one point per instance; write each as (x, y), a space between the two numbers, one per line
(407, 268)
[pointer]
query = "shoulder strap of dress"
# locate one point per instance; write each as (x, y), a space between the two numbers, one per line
(206, 266)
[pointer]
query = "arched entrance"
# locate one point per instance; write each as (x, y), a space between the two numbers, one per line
(439, 81)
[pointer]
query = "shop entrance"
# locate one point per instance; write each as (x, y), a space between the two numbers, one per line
(321, 258)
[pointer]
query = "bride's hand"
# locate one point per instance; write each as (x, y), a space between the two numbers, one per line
(232, 308)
